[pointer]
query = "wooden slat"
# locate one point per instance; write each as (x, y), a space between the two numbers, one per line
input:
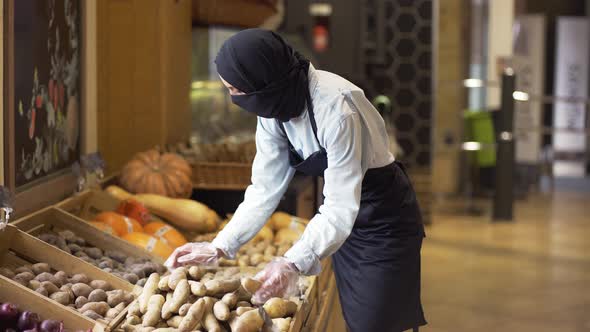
(305, 307)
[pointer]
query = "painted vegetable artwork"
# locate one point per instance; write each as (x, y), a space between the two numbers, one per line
(47, 87)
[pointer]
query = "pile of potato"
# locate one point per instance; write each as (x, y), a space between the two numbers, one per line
(93, 298)
(257, 254)
(133, 269)
(196, 299)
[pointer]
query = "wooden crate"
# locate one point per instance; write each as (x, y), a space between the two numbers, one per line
(324, 278)
(54, 219)
(27, 299)
(88, 203)
(310, 298)
(18, 248)
(330, 312)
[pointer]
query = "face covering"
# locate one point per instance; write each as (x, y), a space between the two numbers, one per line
(271, 74)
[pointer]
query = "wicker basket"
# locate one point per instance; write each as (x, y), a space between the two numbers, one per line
(221, 175)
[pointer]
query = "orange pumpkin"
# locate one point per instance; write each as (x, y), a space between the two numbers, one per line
(120, 223)
(103, 227)
(149, 244)
(165, 174)
(166, 233)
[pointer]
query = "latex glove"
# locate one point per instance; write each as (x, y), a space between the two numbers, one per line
(279, 279)
(193, 253)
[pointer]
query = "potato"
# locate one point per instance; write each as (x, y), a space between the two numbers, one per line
(209, 322)
(244, 261)
(193, 316)
(132, 320)
(98, 295)
(179, 297)
(49, 286)
(81, 289)
(256, 259)
(154, 308)
(250, 285)
(176, 276)
(100, 308)
(148, 291)
(21, 269)
(34, 284)
(243, 304)
(100, 284)
(131, 278)
(80, 302)
(270, 251)
(79, 278)
(281, 324)
(115, 297)
(61, 298)
(92, 315)
(42, 291)
(216, 287)
(207, 276)
(175, 321)
(250, 321)
(133, 309)
(61, 278)
(40, 268)
(163, 284)
(7, 272)
(197, 288)
(230, 272)
(26, 277)
(241, 310)
(93, 252)
(230, 299)
(196, 273)
(221, 311)
(279, 308)
(184, 308)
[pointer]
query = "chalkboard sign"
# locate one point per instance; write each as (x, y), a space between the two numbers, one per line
(45, 79)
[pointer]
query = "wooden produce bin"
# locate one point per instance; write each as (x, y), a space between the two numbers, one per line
(27, 299)
(55, 219)
(330, 312)
(88, 203)
(18, 248)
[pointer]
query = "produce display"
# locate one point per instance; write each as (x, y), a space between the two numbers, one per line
(95, 299)
(133, 269)
(13, 319)
(186, 214)
(197, 299)
(274, 239)
(150, 172)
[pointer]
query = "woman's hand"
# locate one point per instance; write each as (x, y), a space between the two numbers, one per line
(193, 253)
(279, 279)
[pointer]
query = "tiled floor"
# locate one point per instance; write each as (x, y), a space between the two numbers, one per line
(530, 275)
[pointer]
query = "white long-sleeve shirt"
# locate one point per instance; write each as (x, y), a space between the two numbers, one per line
(354, 136)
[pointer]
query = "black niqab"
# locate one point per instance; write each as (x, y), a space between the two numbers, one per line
(271, 74)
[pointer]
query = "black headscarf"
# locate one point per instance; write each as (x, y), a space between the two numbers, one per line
(272, 75)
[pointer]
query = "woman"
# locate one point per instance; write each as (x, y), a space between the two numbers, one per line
(320, 124)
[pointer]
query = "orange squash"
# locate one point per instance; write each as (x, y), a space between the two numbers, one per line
(103, 227)
(165, 174)
(166, 233)
(120, 223)
(149, 244)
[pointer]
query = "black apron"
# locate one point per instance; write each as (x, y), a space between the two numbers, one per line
(377, 268)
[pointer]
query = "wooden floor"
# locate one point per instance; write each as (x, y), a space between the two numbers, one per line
(530, 275)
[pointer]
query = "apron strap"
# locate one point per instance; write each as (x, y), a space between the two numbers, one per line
(314, 126)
